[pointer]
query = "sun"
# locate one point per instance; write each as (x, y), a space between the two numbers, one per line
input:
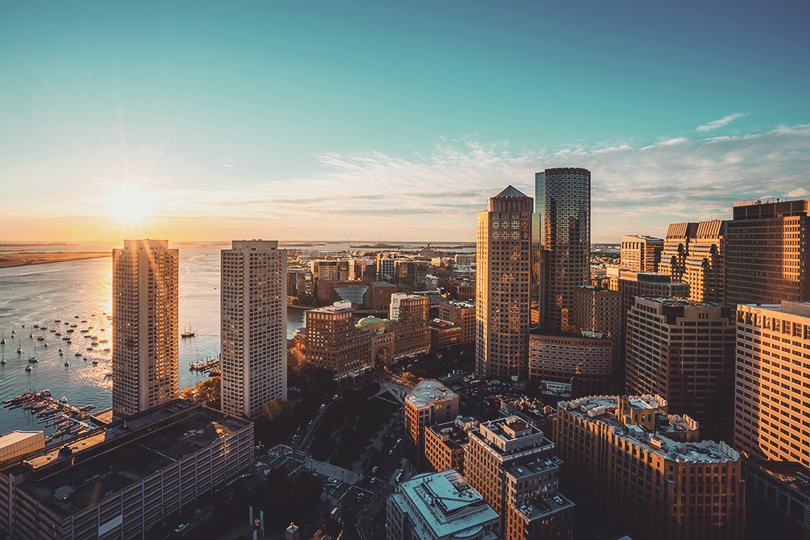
(130, 204)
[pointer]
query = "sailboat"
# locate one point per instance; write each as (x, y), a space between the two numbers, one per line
(19, 346)
(3, 341)
(33, 359)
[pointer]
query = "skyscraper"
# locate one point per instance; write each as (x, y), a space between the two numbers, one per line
(145, 326)
(768, 252)
(502, 286)
(694, 253)
(564, 215)
(254, 326)
(641, 253)
(772, 410)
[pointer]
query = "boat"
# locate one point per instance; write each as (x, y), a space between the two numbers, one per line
(58, 320)
(58, 334)
(84, 330)
(107, 349)
(19, 347)
(67, 363)
(89, 348)
(95, 362)
(43, 327)
(188, 333)
(77, 354)
(3, 362)
(84, 358)
(3, 341)
(66, 338)
(13, 331)
(70, 330)
(35, 326)
(28, 368)
(87, 408)
(31, 335)
(38, 407)
(69, 342)
(40, 338)
(33, 359)
(84, 321)
(46, 345)
(94, 344)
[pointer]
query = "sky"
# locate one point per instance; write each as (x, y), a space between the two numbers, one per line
(390, 120)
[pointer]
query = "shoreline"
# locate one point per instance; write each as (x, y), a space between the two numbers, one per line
(14, 259)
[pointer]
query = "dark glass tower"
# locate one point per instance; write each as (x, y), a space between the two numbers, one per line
(564, 227)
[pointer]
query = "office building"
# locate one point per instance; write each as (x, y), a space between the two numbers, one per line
(558, 357)
(439, 506)
(443, 334)
(446, 443)
(126, 479)
(564, 211)
(694, 253)
(502, 286)
(685, 352)
(461, 314)
(430, 402)
(635, 468)
(335, 343)
(145, 326)
(676, 250)
(513, 466)
(253, 326)
(772, 409)
(768, 252)
(410, 313)
(778, 495)
(640, 253)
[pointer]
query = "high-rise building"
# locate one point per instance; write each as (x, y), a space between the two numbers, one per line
(333, 341)
(502, 286)
(439, 506)
(676, 250)
(640, 253)
(145, 326)
(772, 409)
(694, 253)
(635, 468)
(768, 252)
(512, 465)
(430, 402)
(564, 214)
(633, 284)
(253, 326)
(410, 313)
(685, 352)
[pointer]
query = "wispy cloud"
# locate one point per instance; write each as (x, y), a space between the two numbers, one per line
(435, 195)
(721, 122)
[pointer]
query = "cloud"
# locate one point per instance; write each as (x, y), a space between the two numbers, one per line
(721, 122)
(636, 189)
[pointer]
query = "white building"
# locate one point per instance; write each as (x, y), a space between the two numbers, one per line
(145, 326)
(253, 326)
(440, 506)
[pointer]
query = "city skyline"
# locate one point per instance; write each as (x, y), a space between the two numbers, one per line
(277, 122)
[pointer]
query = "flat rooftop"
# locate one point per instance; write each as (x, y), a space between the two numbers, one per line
(111, 458)
(541, 508)
(603, 409)
(427, 392)
(447, 504)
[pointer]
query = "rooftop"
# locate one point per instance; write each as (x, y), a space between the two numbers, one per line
(541, 508)
(510, 191)
(603, 409)
(113, 457)
(428, 391)
(800, 309)
(447, 504)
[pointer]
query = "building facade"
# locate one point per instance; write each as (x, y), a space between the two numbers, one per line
(409, 312)
(676, 250)
(640, 253)
(439, 506)
(503, 285)
(145, 326)
(126, 479)
(772, 400)
(513, 466)
(559, 357)
(253, 327)
(694, 253)
(334, 342)
(462, 314)
(430, 402)
(446, 443)
(767, 252)
(685, 352)
(643, 472)
(564, 213)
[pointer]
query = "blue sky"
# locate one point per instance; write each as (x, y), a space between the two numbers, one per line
(372, 120)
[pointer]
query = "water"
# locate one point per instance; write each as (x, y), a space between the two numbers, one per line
(41, 294)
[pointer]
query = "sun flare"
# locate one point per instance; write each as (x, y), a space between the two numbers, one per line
(130, 204)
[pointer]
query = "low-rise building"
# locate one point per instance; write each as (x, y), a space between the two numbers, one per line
(124, 480)
(440, 506)
(462, 314)
(630, 464)
(445, 443)
(443, 334)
